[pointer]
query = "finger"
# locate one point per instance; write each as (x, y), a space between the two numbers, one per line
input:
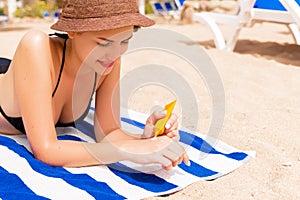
(172, 122)
(166, 163)
(148, 131)
(168, 168)
(186, 159)
(180, 159)
(175, 147)
(176, 137)
(172, 126)
(172, 134)
(157, 115)
(174, 158)
(148, 121)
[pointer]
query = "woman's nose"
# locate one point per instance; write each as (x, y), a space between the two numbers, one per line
(116, 51)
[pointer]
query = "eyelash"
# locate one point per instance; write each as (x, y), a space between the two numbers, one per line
(108, 43)
(125, 42)
(105, 44)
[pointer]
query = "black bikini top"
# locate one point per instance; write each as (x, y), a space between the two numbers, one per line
(17, 122)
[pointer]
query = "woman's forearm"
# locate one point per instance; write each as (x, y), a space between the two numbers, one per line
(78, 154)
(114, 148)
(120, 135)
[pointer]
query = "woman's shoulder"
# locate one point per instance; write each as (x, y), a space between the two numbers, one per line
(36, 49)
(40, 45)
(34, 37)
(36, 42)
(39, 41)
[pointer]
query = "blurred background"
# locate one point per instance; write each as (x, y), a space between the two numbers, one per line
(13, 10)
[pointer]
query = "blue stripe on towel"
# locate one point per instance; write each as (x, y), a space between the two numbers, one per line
(133, 122)
(12, 187)
(194, 168)
(81, 181)
(86, 128)
(197, 170)
(203, 146)
(70, 137)
(149, 182)
(195, 142)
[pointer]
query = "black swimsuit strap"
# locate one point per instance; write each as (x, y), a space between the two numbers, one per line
(81, 118)
(61, 35)
(61, 66)
(4, 65)
(17, 122)
(95, 82)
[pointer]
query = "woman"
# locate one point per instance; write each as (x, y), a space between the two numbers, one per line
(51, 80)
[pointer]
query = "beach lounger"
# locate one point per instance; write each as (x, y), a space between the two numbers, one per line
(172, 9)
(179, 4)
(167, 9)
(169, 6)
(24, 177)
(293, 7)
(249, 12)
(158, 8)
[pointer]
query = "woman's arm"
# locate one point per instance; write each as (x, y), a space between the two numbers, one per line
(107, 115)
(33, 90)
(107, 107)
(163, 150)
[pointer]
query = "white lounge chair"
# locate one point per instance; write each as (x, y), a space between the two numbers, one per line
(158, 8)
(167, 9)
(248, 13)
(293, 8)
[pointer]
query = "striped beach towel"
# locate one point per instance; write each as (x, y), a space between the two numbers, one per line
(24, 177)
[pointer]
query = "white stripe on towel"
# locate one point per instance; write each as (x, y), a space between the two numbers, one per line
(55, 187)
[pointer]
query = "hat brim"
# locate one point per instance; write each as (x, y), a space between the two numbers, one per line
(100, 24)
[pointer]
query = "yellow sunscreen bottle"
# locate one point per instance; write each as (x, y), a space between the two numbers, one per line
(159, 127)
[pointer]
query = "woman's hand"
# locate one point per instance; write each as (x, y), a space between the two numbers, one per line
(171, 127)
(161, 150)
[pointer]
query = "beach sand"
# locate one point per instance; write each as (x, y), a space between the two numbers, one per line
(261, 79)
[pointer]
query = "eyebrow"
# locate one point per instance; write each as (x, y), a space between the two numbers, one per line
(108, 40)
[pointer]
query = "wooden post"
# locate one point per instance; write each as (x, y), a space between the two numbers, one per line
(5, 9)
(11, 7)
(142, 6)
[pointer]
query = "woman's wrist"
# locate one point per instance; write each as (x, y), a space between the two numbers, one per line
(119, 135)
(105, 152)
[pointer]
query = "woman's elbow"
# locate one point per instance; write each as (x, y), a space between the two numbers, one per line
(47, 155)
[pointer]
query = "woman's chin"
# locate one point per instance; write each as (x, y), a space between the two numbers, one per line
(104, 71)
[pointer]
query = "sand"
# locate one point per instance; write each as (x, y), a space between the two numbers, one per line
(262, 89)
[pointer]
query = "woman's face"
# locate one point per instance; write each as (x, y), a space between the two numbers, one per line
(99, 50)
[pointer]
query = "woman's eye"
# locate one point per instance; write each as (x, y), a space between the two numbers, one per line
(104, 44)
(125, 42)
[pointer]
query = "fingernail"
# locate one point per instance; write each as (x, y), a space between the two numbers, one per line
(189, 163)
(167, 126)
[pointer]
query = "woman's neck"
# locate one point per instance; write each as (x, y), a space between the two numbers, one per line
(74, 65)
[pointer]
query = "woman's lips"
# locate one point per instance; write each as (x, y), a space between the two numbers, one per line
(106, 64)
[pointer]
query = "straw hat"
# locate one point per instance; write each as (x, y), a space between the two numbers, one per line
(97, 15)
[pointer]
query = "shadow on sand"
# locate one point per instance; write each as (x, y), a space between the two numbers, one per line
(285, 53)
(4, 28)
